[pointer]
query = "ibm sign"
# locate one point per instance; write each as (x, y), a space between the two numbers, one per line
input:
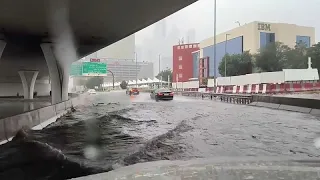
(264, 27)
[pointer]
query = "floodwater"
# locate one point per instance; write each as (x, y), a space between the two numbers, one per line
(113, 130)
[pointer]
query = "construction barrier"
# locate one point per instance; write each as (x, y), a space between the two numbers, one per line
(266, 88)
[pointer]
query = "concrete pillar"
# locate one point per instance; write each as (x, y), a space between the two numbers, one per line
(59, 74)
(27, 106)
(28, 79)
(2, 46)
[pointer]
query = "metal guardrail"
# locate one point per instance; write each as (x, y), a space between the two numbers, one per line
(229, 98)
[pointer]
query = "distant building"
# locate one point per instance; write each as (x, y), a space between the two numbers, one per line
(128, 69)
(251, 37)
(191, 36)
(120, 59)
(183, 62)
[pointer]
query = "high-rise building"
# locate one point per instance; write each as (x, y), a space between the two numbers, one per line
(191, 36)
(183, 61)
(128, 69)
(251, 37)
(161, 29)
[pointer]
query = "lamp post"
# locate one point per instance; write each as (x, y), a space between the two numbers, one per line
(214, 46)
(225, 53)
(112, 78)
(159, 69)
(136, 57)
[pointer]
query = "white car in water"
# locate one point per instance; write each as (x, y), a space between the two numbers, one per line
(92, 91)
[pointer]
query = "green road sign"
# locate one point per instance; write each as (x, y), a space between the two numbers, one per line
(94, 69)
(76, 69)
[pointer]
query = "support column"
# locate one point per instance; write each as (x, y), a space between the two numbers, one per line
(28, 79)
(59, 74)
(2, 46)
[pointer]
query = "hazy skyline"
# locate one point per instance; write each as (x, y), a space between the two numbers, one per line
(198, 17)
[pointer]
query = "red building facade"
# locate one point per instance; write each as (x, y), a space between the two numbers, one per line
(183, 62)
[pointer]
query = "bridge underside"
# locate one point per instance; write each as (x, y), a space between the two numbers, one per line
(95, 23)
(31, 30)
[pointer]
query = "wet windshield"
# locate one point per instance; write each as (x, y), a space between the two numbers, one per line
(99, 87)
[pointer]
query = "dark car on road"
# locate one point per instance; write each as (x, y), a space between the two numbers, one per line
(161, 94)
(132, 91)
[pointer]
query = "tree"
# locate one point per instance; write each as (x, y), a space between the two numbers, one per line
(237, 64)
(296, 58)
(314, 53)
(273, 57)
(123, 85)
(94, 81)
(165, 74)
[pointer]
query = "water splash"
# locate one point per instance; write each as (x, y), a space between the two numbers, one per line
(91, 152)
(61, 32)
(317, 143)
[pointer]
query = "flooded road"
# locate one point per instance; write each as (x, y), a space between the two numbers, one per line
(113, 130)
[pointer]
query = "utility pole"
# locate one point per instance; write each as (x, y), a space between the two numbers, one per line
(214, 46)
(136, 57)
(159, 69)
(112, 78)
(225, 53)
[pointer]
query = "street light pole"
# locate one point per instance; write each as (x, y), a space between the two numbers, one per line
(225, 53)
(112, 78)
(214, 46)
(159, 68)
(136, 57)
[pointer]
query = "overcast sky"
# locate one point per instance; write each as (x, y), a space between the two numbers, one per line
(199, 16)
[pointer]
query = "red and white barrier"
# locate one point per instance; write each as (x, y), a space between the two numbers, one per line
(287, 87)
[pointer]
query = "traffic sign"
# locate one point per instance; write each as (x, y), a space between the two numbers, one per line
(94, 69)
(76, 69)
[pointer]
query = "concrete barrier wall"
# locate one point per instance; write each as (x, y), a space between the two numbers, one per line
(68, 104)
(301, 102)
(10, 125)
(46, 113)
(61, 107)
(302, 105)
(2, 130)
(301, 74)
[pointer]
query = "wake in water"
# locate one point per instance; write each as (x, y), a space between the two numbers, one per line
(163, 147)
(66, 150)
(27, 158)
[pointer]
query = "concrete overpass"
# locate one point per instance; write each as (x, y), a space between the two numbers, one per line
(41, 38)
